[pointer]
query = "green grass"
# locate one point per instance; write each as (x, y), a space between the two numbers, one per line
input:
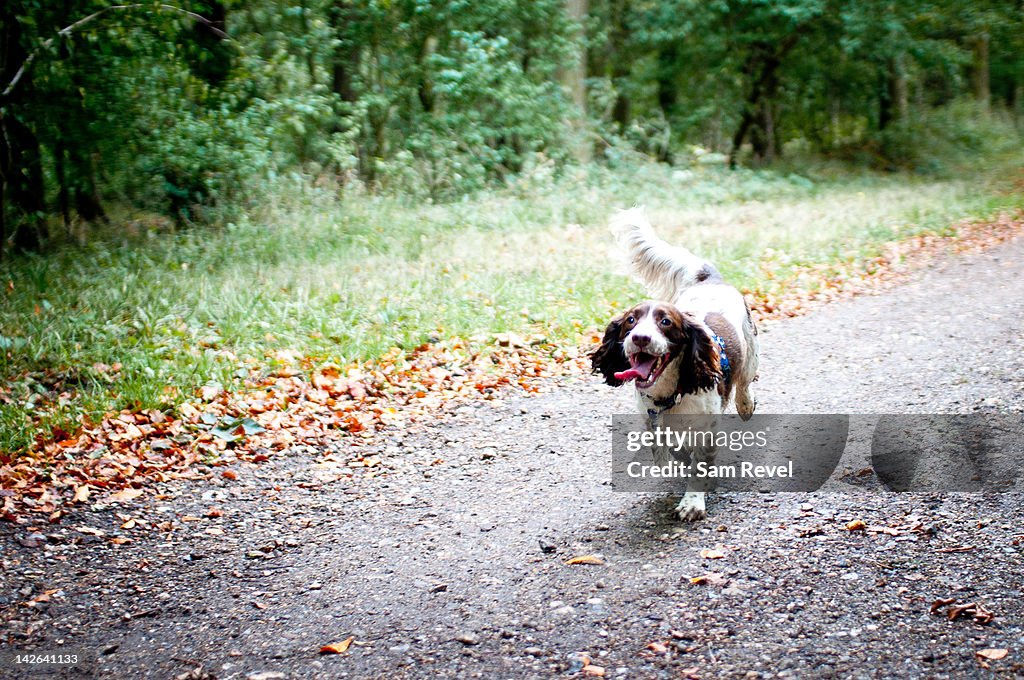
(347, 279)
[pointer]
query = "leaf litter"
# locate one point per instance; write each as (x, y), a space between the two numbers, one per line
(954, 611)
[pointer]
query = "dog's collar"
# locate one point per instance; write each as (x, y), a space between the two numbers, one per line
(659, 406)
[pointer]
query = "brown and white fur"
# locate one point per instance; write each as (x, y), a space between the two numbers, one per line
(667, 347)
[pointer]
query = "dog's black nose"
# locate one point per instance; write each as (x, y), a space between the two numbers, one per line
(641, 340)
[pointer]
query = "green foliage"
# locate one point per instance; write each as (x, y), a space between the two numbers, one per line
(494, 117)
(194, 111)
(947, 140)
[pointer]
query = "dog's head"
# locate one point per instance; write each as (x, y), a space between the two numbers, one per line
(641, 343)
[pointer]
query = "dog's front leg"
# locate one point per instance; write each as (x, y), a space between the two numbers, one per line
(691, 507)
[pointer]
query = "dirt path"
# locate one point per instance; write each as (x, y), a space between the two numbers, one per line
(451, 564)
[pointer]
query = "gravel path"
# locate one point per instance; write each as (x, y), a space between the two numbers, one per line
(452, 563)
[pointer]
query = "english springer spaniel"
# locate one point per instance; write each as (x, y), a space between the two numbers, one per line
(690, 353)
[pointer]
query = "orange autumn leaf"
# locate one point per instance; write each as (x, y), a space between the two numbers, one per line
(338, 647)
(585, 559)
(992, 654)
(125, 495)
(714, 578)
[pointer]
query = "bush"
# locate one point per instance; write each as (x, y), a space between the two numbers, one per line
(945, 140)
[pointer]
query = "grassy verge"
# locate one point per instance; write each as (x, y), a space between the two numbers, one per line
(141, 322)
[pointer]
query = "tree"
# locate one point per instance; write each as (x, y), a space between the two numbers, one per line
(22, 197)
(574, 77)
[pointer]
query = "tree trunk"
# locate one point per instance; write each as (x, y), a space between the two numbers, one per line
(21, 173)
(311, 49)
(345, 62)
(574, 80)
(212, 63)
(425, 91)
(668, 92)
(77, 148)
(26, 185)
(3, 217)
(762, 134)
(63, 192)
(892, 99)
(87, 196)
(621, 66)
(980, 71)
(762, 64)
(898, 87)
(834, 121)
(1018, 104)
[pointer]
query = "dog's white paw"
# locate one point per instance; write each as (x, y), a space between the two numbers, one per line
(691, 507)
(745, 405)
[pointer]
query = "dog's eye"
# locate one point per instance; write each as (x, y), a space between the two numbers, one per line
(631, 320)
(666, 321)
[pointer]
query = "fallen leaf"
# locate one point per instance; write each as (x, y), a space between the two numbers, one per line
(125, 495)
(210, 392)
(712, 579)
(879, 529)
(81, 494)
(91, 531)
(585, 559)
(657, 648)
(42, 597)
(992, 654)
(941, 602)
(229, 474)
(338, 647)
(856, 525)
(712, 554)
(225, 434)
(973, 610)
(594, 671)
(128, 524)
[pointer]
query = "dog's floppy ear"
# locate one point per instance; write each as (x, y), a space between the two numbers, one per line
(609, 358)
(701, 368)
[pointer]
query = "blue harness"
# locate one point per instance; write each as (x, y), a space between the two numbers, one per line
(662, 405)
(723, 358)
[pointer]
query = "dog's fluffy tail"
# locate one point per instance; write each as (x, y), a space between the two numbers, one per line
(665, 270)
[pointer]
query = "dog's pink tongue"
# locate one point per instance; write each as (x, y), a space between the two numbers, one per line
(641, 370)
(629, 374)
